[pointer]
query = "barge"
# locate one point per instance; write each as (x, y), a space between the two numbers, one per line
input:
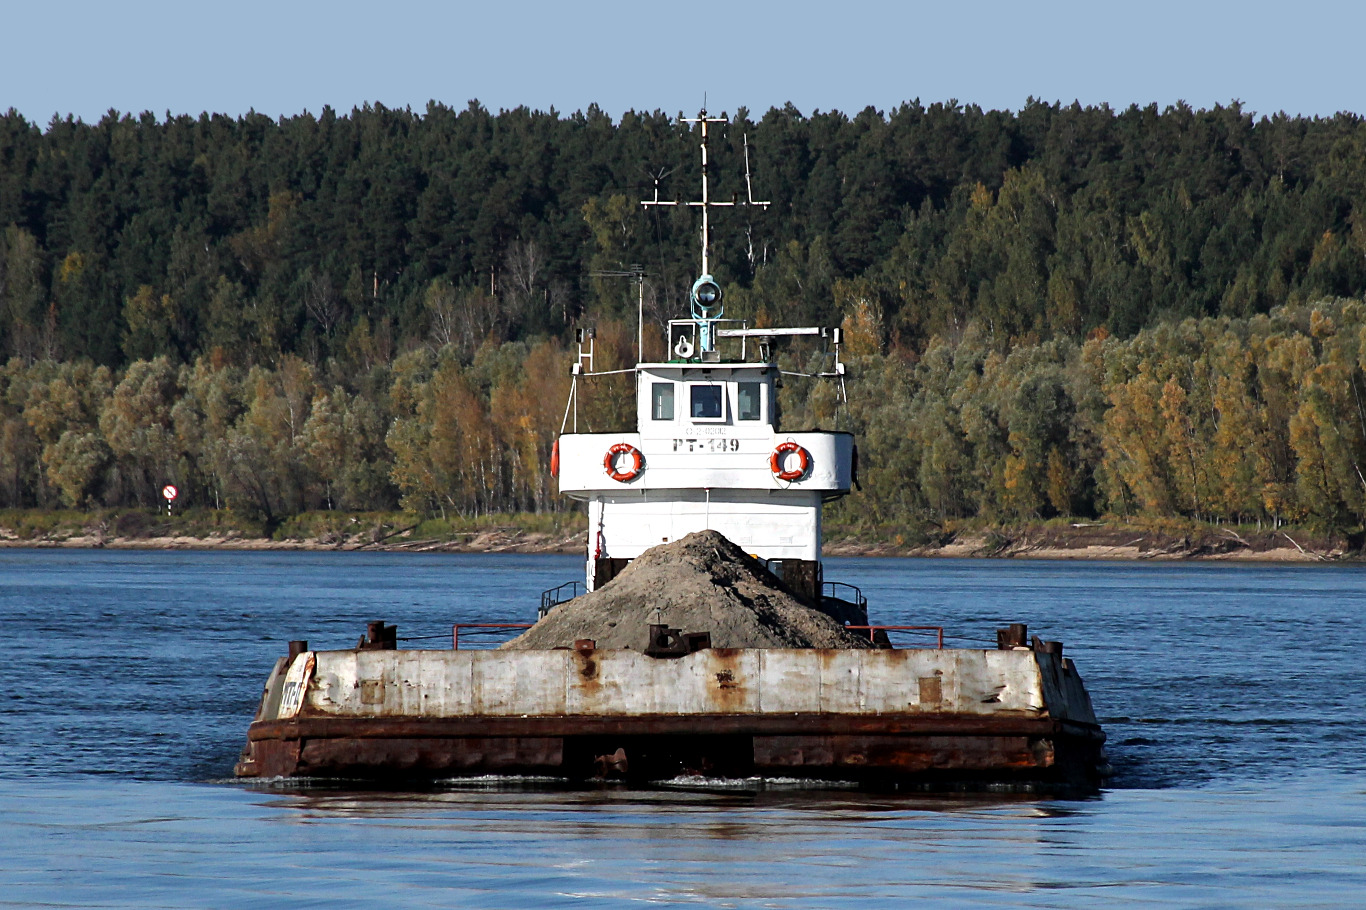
(709, 454)
(1016, 717)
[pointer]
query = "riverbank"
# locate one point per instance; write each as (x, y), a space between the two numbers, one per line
(210, 529)
(1104, 540)
(565, 533)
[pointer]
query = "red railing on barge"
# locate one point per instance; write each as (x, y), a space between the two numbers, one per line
(873, 630)
(455, 629)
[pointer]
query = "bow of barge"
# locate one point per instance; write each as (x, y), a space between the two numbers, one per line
(1015, 717)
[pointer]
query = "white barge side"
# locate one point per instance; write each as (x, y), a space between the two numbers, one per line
(1017, 716)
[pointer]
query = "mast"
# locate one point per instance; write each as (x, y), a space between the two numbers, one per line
(706, 202)
(706, 293)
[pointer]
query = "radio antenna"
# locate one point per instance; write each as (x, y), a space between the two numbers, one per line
(749, 187)
(706, 293)
(637, 274)
(706, 204)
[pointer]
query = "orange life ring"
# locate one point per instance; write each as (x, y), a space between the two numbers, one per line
(775, 461)
(637, 462)
(555, 459)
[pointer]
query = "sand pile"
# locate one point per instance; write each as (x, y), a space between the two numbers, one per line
(700, 583)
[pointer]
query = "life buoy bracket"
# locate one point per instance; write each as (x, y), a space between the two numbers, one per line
(635, 464)
(775, 461)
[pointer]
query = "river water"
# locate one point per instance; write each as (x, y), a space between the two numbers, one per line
(1232, 697)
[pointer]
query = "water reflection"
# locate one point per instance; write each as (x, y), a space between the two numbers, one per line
(328, 798)
(166, 844)
(724, 849)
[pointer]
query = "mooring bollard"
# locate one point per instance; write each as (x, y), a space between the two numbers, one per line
(1015, 635)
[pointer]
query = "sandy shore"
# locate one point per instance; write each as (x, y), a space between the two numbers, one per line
(1101, 542)
(484, 542)
(1082, 541)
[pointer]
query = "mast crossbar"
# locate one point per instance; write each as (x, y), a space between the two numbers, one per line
(706, 202)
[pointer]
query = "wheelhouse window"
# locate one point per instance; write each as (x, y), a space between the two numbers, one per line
(707, 402)
(662, 400)
(747, 400)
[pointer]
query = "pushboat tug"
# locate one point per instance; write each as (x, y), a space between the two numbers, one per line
(709, 450)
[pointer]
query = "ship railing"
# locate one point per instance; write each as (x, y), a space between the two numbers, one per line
(838, 590)
(555, 596)
(873, 630)
(484, 628)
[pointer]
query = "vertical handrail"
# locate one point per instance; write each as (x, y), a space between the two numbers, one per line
(836, 585)
(551, 598)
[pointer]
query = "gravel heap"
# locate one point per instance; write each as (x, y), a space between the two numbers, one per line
(699, 583)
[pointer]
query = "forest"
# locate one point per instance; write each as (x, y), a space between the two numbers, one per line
(1062, 311)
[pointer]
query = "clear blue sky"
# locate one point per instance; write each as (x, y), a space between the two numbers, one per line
(284, 57)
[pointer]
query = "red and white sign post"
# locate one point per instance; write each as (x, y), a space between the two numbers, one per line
(169, 493)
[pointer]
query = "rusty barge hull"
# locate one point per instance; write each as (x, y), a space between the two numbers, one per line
(949, 750)
(928, 718)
